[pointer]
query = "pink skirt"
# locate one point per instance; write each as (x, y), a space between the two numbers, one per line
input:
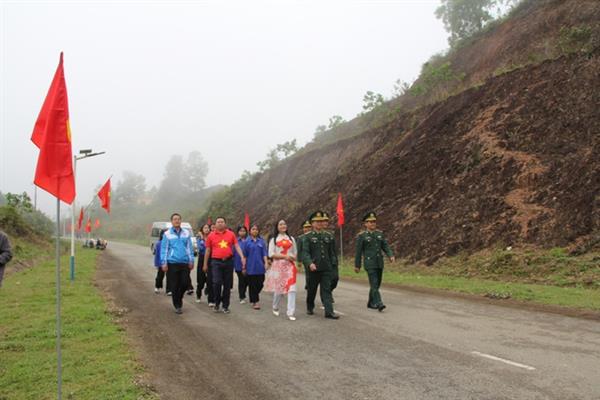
(281, 277)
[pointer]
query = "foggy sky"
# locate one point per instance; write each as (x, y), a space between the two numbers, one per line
(231, 79)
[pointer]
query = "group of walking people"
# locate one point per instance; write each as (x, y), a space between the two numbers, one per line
(270, 266)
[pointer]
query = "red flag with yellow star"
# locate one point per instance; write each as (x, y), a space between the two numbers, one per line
(52, 135)
(104, 195)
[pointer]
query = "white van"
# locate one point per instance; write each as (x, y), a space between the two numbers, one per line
(159, 226)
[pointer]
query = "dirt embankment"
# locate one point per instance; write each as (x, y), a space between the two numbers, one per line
(511, 161)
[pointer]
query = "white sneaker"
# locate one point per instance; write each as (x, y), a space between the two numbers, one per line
(291, 318)
(197, 300)
(242, 301)
(276, 313)
(156, 290)
(211, 305)
(169, 294)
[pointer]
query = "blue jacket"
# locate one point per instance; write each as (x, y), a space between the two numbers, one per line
(255, 252)
(157, 263)
(237, 261)
(177, 247)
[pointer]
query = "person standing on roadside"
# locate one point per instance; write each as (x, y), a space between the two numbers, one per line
(306, 227)
(177, 259)
(5, 254)
(220, 245)
(370, 246)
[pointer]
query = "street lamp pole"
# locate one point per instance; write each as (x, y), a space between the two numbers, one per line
(84, 154)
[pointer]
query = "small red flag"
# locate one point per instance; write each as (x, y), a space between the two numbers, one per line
(52, 135)
(104, 195)
(247, 221)
(97, 223)
(88, 225)
(80, 220)
(209, 221)
(340, 210)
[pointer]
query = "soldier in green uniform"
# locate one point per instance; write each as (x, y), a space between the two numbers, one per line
(370, 244)
(306, 227)
(318, 253)
(335, 276)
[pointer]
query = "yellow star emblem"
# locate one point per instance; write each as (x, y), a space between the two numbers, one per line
(223, 244)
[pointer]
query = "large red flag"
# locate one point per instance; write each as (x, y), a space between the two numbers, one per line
(247, 221)
(88, 226)
(104, 195)
(52, 135)
(340, 210)
(97, 223)
(80, 220)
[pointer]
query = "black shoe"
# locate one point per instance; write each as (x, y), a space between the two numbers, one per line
(373, 307)
(332, 316)
(217, 309)
(310, 312)
(178, 310)
(226, 311)
(190, 292)
(381, 307)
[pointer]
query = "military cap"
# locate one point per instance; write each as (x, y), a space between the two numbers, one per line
(318, 216)
(370, 216)
(307, 224)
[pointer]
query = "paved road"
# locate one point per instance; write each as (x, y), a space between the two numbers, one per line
(421, 347)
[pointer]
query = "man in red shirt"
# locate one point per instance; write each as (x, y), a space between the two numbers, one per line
(219, 250)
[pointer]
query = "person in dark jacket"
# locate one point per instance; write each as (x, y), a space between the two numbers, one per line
(5, 254)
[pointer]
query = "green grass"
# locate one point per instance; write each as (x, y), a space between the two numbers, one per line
(549, 277)
(96, 361)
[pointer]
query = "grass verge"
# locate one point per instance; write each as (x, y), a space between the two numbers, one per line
(96, 361)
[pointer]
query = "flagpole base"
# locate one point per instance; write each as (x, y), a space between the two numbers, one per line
(72, 268)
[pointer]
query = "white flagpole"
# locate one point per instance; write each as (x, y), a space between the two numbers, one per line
(58, 350)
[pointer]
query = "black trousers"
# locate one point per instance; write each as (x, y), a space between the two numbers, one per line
(335, 277)
(210, 294)
(320, 279)
(222, 276)
(200, 280)
(255, 285)
(160, 277)
(242, 284)
(178, 276)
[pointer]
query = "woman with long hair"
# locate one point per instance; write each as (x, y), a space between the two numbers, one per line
(281, 277)
(201, 278)
(242, 236)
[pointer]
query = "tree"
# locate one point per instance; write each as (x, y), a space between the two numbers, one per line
(335, 121)
(131, 189)
(372, 100)
(20, 202)
(196, 169)
(274, 156)
(320, 131)
(400, 88)
(173, 183)
(462, 18)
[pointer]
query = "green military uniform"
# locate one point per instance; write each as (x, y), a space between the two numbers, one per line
(371, 244)
(319, 248)
(335, 273)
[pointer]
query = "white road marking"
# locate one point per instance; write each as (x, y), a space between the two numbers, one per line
(514, 364)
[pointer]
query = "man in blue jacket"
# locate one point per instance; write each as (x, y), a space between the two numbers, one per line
(176, 258)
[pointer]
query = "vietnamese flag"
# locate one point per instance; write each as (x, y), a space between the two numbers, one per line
(52, 135)
(340, 210)
(97, 223)
(104, 195)
(247, 221)
(88, 226)
(80, 220)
